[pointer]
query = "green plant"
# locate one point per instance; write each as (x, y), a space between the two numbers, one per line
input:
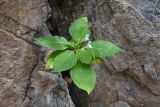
(78, 54)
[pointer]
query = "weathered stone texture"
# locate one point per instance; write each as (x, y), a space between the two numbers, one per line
(23, 18)
(21, 84)
(31, 13)
(17, 60)
(119, 104)
(47, 90)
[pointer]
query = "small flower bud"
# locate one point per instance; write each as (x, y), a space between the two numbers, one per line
(87, 37)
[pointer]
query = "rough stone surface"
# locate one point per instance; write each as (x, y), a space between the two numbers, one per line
(23, 80)
(16, 62)
(47, 90)
(119, 104)
(30, 13)
(23, 18)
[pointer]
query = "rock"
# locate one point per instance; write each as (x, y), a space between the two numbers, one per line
(21, 85)
(17, 60)
(104, 92)
(31, 14)
(120, 104)
(23, 18)
(141, 58)
(127, 24)
(117, 87)
(47, 90)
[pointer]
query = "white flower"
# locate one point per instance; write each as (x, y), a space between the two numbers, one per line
(89, 42)
(89, 46)
(87, 37)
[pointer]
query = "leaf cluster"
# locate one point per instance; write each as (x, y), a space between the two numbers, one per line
(78, 54)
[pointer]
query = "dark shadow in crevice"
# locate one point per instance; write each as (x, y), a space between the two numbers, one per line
(79, 97)
(52, 27)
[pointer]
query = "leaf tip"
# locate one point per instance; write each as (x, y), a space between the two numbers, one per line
(88, 92)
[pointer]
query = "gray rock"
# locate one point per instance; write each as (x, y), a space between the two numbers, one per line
(119, 104)
(47, 90)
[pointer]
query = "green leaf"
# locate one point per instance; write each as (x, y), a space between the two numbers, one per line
(84, 56)
(64, 61)
(51, 58)
(79, 29)
(101, 48)
(72, 44)
(53, 42)
(84, 77)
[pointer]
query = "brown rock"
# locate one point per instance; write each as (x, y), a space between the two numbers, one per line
(17, 60)
(2, 12)
(23, 18)
(19, 21)
(29, 13)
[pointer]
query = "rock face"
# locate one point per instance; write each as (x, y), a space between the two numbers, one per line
(47, 90)
(134, 73)
(23, 80)
(17, 59)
